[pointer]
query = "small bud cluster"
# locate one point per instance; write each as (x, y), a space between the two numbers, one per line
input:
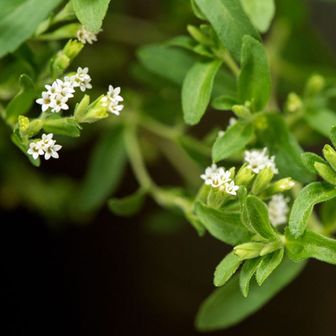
(219, 178)
(60, 91)
(84, 36)
(278, 209)
(112, 99)
(46, 147)
(259, 159)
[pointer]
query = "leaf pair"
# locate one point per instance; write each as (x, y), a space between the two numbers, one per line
(261, 267)
(242, 41)
(226, 306)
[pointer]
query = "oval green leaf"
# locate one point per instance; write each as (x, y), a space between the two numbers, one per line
(304, 203)
(254, 81)
(226, 268)
(196, 90)
(225, 226)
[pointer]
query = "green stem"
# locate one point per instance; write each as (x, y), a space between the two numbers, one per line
(135, 157)
(229, 61)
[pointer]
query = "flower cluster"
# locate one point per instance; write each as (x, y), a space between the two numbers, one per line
(60, 91)
(259, 159)
(218, 177)
(278, 209)
(85, 36)
(112, 99)
(46, 147)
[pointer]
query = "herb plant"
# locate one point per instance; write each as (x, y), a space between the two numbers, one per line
(253, 186)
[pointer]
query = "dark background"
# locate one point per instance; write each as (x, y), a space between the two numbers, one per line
(119, 276)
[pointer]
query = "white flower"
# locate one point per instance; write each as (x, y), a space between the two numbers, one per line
(46, 141)
(35, 149)
(218, 177)
(278, 209)
(112, 99)
(258, 159)
(51, 150)
(209, 172)
(59, 103)
(45, 101)
(81, 79)
(85, 36)
(231, 188)
(46, 147)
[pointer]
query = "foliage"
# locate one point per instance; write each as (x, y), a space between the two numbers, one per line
(261, 185)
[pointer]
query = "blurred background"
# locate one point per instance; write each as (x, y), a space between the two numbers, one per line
(148, 274)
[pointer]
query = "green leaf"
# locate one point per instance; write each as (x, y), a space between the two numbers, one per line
(249, 268)
(197, 89)
(254, 82)
(104, 172)
(258, 217)
(311, 245)
(235, 138)
(20, 19)
(62, 126)
(226, 306)
(23, 101)
(314, 193)
(91, 13)
(284, 146)
(268, 264)
(230, 22)
(260, 12)
(309, 160)
(197, 12)
(321, 120)
(158, 58)
(128, 206)
(224, 103)
(225, 269)
(225, 226)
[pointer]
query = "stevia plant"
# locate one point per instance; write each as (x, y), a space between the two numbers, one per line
(249, 185)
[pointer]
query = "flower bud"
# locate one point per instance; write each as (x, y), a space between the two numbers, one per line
(325, 172)
(241, 111)
(314, 85)
(271, 247)
(244, 176)
(198, 35)
(294, 103)
(216, 198)
(262, 180)
(248, 250)
(93, 112)
(280, 186)
(330, 155)
(59, 64)
(72, 49)
(23, 123)
(81, 107)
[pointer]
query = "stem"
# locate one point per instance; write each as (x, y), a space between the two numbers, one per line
(229, 61)
(162, 197)
(135, 157)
